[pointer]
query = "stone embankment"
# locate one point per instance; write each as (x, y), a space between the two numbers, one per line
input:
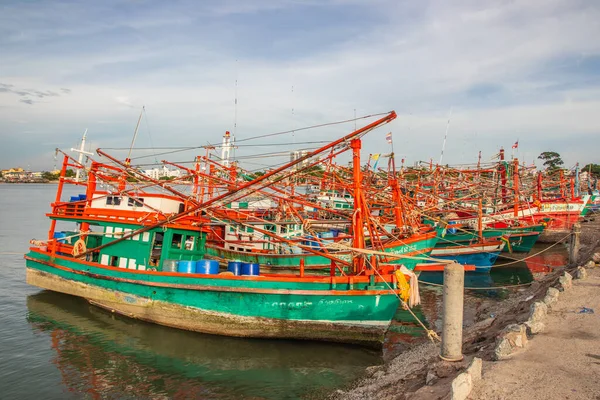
(540, 343)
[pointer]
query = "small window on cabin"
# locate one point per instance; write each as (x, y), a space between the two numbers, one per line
(114, 261)
(249, 229)
(181, 208)
(135, 202)
(231, 229)
(176, 242)
(338, 205)
(189, 243)
(113, 201)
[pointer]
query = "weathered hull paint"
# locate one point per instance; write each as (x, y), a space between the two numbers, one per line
(421, 245)
(521, 240)
(482, 257)
(350, 316)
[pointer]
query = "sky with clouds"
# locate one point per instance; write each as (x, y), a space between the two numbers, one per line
(501, 71)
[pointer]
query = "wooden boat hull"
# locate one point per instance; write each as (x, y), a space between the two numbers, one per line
(481, 256)
(521, 240)
(419, 245)
(225, 305)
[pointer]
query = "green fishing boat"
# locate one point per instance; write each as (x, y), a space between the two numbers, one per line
(520, 239)
(142, 254)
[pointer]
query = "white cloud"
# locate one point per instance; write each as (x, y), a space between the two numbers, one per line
(507, 70)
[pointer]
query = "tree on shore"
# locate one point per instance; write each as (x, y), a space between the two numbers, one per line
(593, 168)
(54, 176)
(552, 160)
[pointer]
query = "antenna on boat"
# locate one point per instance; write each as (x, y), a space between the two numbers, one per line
(235, 108)
(81, 151)
(445, 136)
(137, 126)
(293, 123)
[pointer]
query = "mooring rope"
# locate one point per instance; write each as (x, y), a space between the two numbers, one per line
(431, 334)
(481, 288)
(532, 255)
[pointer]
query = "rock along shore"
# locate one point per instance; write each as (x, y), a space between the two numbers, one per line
(497, 342)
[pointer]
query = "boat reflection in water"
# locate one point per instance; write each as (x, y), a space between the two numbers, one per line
(102, 355)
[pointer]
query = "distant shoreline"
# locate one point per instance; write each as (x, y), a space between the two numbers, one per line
(29, 182)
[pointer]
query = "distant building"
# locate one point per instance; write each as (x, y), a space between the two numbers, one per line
(157, 173)
(20, 175)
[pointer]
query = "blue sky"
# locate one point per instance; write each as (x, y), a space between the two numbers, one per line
(526, 70)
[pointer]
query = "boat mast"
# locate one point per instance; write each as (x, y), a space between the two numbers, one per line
(81, 152)
(137, 126)
(516, 187)
(358, 235)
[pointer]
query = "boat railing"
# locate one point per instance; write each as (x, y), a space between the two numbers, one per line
(69, 209)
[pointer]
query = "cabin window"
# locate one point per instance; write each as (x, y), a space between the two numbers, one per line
(283, 229)
(113, 200)
(249, 230)
(270, 228)
(114, 261)
(135, 202)
(176, 242)
(189, 243)
(231, 228)
(181, 208)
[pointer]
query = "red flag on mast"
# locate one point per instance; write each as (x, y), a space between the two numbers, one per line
(516, 145)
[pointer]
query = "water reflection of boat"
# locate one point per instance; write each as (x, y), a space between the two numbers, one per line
(546, 262)
(108, 356)
(472, 279)
(503, 276)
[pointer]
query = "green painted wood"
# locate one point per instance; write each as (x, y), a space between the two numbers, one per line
(285, 305)
(521, 239)
(292, 261)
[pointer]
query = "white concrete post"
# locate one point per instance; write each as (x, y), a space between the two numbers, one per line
(575, 244)
(452, 318)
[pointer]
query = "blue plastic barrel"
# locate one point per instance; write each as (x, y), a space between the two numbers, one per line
(451, 231)
(235, 267)
(312, 243)
(169, 266)
(210, 267)
(335, 232)
(74, 198)
(250, 269)
(60, 236)
(82, 197)
(187, 267)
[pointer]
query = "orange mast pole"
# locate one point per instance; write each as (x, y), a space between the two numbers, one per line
(516, 188)
(358, 235)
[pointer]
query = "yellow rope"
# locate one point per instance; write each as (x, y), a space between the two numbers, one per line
(431, 334)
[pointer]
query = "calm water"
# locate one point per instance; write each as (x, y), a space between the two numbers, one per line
(56, 346)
